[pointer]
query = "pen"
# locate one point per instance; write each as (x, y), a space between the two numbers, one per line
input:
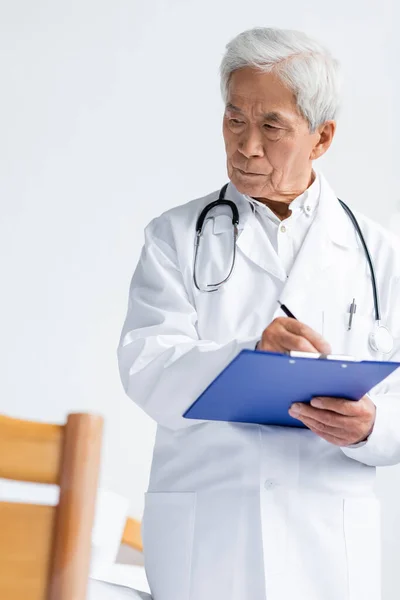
(353, 310)
(286, 311)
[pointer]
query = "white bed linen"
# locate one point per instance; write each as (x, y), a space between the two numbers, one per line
(100, 590)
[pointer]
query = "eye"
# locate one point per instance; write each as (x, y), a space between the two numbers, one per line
(235, 122)
(271, 127)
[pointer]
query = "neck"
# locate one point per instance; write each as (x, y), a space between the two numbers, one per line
(281, 207)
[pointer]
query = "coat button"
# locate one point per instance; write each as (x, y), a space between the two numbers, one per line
(271, 484)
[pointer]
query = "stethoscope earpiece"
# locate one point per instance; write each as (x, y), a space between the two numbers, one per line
(380, 339)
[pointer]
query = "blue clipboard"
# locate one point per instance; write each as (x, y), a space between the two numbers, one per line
(259, 387)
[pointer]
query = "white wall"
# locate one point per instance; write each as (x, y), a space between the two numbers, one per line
(109, 114)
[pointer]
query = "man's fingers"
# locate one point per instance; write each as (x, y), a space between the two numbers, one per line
(290, 341)
(301, 329)
(285, 334)
(349, 408)
(350, 428)
(281, 340)
(326, 418)
(321, 426)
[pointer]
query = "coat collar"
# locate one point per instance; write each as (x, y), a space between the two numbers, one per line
(307, 202)
(330, 214)
(330, 229)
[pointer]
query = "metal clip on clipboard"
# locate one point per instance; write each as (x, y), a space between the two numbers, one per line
(318, 355)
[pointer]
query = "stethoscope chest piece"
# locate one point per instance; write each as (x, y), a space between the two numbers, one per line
(380, 339)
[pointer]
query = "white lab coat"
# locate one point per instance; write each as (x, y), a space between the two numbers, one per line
(243, 511)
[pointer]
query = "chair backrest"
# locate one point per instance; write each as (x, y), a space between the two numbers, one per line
(45, 550)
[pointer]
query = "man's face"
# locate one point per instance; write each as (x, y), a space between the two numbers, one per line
(268, 144)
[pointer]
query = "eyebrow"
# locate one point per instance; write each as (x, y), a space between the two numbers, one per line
(272, 116)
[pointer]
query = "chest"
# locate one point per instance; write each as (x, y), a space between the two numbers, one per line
(318, 294)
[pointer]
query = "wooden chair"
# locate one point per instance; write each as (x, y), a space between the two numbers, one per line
(45, 550)
(132, 536)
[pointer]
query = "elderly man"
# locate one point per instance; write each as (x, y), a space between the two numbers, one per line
(244, 511)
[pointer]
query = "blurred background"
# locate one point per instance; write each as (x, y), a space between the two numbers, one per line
(110, 113)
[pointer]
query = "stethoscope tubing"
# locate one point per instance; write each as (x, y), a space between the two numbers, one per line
(222, 201)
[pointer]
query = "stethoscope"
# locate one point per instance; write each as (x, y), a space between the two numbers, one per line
(380, 338)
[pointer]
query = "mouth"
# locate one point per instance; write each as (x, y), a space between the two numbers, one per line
(248, 174)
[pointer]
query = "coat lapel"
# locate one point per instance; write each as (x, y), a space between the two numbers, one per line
(331, 230)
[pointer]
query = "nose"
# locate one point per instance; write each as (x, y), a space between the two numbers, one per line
(250, 144)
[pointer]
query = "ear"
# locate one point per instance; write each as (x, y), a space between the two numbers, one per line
(324, 136)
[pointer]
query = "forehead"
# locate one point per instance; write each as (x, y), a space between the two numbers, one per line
(254, 91)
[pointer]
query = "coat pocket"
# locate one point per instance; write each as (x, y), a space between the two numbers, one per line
(363, 547)
(344, 341)
(168, 531)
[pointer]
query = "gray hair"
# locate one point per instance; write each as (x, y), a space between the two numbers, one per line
(302, 64)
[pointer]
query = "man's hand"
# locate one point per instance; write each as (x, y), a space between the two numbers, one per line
(336, 420)
(285, 334)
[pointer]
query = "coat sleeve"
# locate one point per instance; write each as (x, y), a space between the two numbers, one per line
(163, 364)
(382, 448)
